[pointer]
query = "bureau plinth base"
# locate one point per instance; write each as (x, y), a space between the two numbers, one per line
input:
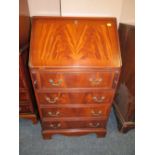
(31, 117)
(47, 134)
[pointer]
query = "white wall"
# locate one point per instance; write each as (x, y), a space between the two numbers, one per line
(44, 7)
(91, 8)
(123, 10)
(128, 12)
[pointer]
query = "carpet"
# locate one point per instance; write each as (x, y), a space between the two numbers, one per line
(115, 143)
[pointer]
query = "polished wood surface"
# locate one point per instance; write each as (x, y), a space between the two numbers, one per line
(23, 96)
(93, 123)
(26, 95)
(74, 79)
(96, 111)
(125, 96)
(31, 117)
(25, 108)
(24, 23)
(100, 132)
(85, 97)
(74, 42)
(75, 66)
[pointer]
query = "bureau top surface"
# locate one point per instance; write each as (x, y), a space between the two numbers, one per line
(66, 42)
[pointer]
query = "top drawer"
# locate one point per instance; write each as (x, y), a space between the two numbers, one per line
(73, 79)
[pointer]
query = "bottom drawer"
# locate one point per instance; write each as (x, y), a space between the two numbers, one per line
(48, 125)
(25, 109)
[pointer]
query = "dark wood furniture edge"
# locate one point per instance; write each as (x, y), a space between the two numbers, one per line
(47, 134)
(32, 117)
(123, 126)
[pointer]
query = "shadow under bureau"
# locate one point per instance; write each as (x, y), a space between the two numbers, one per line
(74, 65)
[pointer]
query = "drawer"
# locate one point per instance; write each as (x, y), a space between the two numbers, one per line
(59, 112)
(94, 97)
(25, 109)
(75, 80)
(26, 102)
(21, 79)
(48, 125)
(23, 96)
(21, 83)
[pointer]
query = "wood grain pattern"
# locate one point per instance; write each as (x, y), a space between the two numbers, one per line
(58, 112)
(74, 42)
(24, 23)
(87, 97)
(75, 66)
(74, 79)
(98, 123)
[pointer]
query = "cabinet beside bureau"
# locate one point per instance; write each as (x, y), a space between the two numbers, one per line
(26, 94)
(125, 95)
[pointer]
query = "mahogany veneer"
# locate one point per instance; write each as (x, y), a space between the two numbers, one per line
(24, 23)
(75, 65)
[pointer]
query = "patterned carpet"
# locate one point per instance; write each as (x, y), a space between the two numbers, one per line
(115, 143)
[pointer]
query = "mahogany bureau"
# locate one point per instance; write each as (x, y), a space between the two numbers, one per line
(74, 65)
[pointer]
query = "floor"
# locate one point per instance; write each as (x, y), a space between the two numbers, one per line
(115, 143)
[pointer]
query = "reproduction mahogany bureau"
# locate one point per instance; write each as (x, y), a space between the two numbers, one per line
(74, 65)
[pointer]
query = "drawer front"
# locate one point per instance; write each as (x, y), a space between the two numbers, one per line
(25, 109)
(23, 96)
(22, 83)
(27, 102)
(75, 112)
(51, 125)
(95, 97)
(76, 80)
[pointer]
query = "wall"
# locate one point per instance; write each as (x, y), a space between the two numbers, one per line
(91, 8)
(128, 12)
(123, 10)
(44, 7)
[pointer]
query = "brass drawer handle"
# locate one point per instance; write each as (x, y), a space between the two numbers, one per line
(94, 113)
(98, 100)
(55, 126)
(94, 125)
(53, 114)
(51, 100)
(56, 84)
(95, 81)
